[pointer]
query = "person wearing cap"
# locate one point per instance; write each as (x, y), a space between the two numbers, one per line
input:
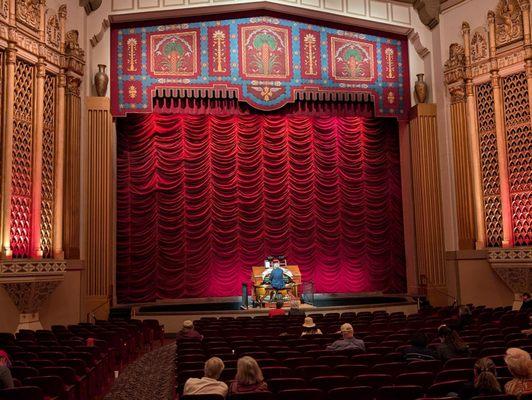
(309, 327)
(6, 380)
(209, 384)
(348, 340)
(188, 331)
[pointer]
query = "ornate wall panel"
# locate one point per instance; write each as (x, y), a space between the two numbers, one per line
(519, 148)
(489, 164)
(48, 156)
(264, 61)
(22, 160)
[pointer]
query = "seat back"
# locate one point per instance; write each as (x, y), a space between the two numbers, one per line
(22, 393)
(350, 393)
(301, 394)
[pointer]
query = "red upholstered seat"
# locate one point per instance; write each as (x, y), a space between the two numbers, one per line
(373, 380)
(278, 384)
(423, 379)
(400, 392)
(444, 388)
(22, 393)
(454, 374)
(301, 394)
(52, 386)
(253, 396)
(350, 370)
(327, 383)
(351, 393)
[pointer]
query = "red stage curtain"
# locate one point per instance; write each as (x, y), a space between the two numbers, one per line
(202, 198)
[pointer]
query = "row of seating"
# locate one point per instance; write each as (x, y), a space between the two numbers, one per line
(300, 368)
(75, 362)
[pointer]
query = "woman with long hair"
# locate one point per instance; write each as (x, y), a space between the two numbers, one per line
(485, 381)
(248, 377)
(452, 346)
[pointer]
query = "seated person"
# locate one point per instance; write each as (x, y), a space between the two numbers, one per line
(348, 341)
(294, 309)
(485, 381)
(451, 345)
(248, 377)
(309, 327)
(520, 366)
(6, 380)
(188, 331)
(278, 310)
(209, 384)
(526, 306)
(418, 349)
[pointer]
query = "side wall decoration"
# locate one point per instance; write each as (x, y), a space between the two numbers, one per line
(264, 61)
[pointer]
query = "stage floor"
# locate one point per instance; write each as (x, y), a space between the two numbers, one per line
(173, 313)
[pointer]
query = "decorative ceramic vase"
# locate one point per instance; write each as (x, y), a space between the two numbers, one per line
(420, 89)
(101, 80)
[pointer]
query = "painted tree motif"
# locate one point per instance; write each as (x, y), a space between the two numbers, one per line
(353, 59)
(264, 60)
(174, 56)
(310, 44)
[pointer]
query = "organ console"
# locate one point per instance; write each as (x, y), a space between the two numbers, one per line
(262, 288)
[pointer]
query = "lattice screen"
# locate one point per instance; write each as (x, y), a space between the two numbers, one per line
(48, 154)
(22, 160)
(519, 149)
(489, 164)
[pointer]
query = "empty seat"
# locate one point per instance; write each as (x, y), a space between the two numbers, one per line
(329, 382)
(301, 394)
(278, 384)
(373, 380)
(350, 393)
(444, 388)
(22, 393)
(423, 379)
(399, 392)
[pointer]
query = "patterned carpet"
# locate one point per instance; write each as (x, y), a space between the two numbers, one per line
(151, 377)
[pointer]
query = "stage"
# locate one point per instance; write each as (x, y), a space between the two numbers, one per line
(173, 313)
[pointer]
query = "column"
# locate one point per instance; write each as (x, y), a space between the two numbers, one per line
(11, 58)
(36, 251)
(71, 222)
(463, 186)
(100, 237)
(507, 237)
(474, 145)
(428, 213)
(59, 167)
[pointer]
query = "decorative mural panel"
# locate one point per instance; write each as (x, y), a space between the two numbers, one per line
(48, 154)
(519, 150)
(264, 61)
(22, 160)
(489, 164)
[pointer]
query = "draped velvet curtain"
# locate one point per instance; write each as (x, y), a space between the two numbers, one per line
(202, 198)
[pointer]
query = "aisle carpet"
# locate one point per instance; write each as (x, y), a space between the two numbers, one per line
(151, 377)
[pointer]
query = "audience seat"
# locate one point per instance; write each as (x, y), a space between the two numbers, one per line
(51, 385)
(329, 382)
(301, 394)
(253, 396)
(351, 393)
(401, 392)
(278, 384)
(22, 393)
